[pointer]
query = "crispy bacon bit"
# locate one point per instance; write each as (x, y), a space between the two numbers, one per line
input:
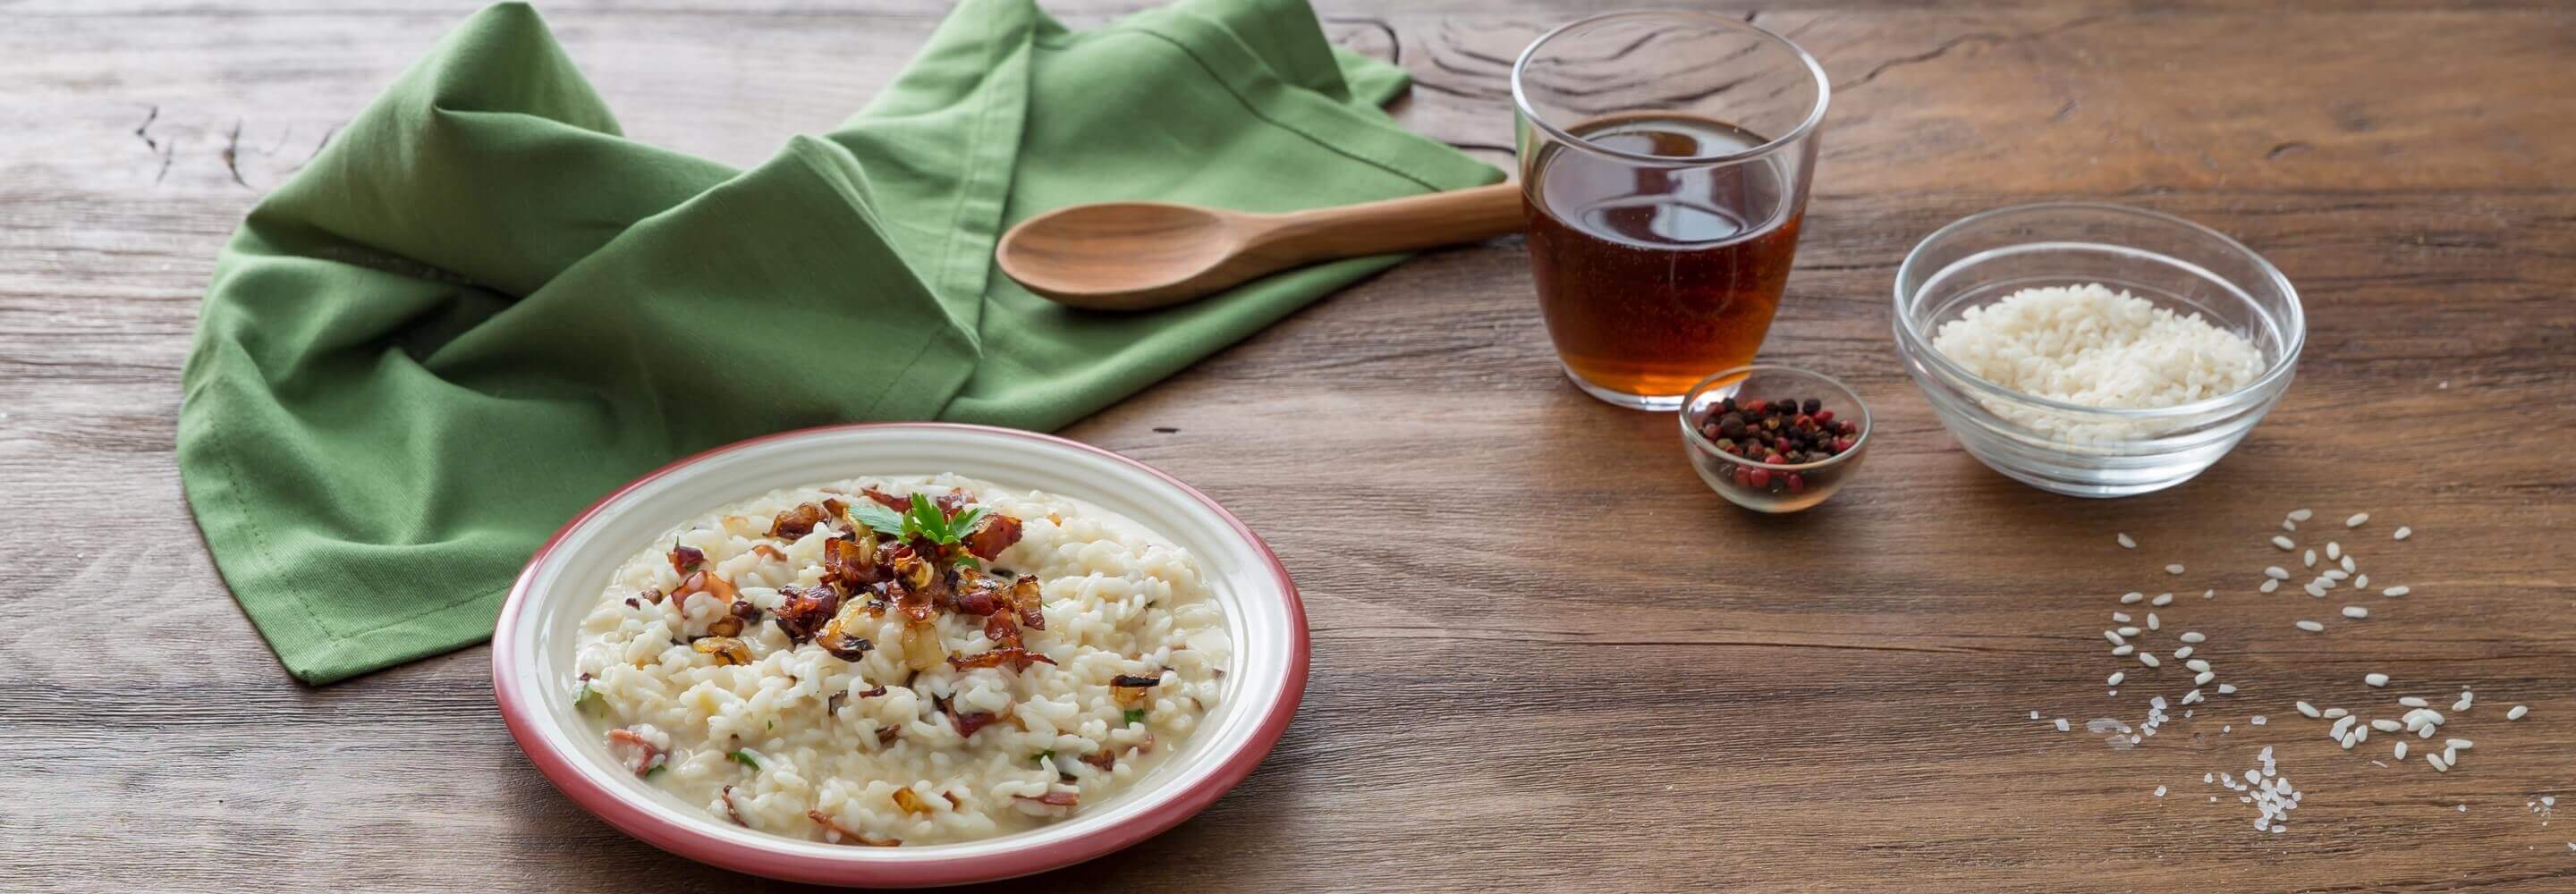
(771, 551)
(730, 811)
(967, 722)
(871, 692)
(631, 603)
(1136, 680)
(1103, 759)
(836, 834)
(647, 754)
(705, 582)
(834, 508)
(1052, 799)
(991, 536)
(977, 594)
(833, 705)
(797, 522)
(726, 650)
(803, 611)
(910, 801)
(886, 735)
(851, 561)
(887, 500)
(652, 595)
(953, 502)
(686, 559)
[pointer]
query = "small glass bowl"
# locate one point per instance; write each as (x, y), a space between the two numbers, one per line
(1771, 487)
(2070, 448)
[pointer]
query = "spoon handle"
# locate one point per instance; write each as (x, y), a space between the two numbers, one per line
(1406, 224)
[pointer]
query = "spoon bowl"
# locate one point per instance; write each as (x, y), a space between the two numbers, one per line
(1144, 255)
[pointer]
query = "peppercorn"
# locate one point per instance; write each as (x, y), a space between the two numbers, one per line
(1811, 406)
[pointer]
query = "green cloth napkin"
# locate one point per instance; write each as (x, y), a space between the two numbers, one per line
(481, 307)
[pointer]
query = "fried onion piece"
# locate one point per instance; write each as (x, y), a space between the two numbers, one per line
(991, 536)
(774, 553)
(840, 637)
(910, 801)
(797, 522)
(1052, 799)
(1104, 759)
(1031, 604)
(725, 649)
(837, 834)
(922, 649)
(887, 500)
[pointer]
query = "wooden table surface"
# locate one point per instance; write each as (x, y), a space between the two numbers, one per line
(1544, 654)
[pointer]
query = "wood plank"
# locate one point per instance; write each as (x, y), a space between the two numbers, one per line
(1543, 637)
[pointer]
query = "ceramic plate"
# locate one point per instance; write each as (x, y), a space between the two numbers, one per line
(532, 647)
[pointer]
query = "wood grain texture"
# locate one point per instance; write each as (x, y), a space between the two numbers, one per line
(1544, 655)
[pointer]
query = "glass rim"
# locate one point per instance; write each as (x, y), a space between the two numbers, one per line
(2294, 323)
(1815, 73)
(1691, 435)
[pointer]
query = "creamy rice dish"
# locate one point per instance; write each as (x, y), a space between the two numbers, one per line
(901, 661)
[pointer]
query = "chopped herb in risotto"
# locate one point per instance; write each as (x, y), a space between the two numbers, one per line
(901, 661)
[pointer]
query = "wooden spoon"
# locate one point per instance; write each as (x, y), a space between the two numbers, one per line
(1144, 255)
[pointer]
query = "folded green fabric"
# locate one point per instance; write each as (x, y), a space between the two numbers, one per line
(481, 307)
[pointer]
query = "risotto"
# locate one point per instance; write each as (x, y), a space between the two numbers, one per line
(901, 661)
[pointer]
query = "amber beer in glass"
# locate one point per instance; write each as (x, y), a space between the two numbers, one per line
(1664, 161)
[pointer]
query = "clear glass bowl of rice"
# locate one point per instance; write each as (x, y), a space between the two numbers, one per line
(2095, 350)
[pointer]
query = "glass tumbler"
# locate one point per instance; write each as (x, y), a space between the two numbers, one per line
(1664, 161)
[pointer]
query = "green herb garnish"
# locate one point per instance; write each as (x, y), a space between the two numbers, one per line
(923, 521)
(886, 521)
(1043, 757)
(588, 699)
(648, 774)
(1135, 715)
(743, 756)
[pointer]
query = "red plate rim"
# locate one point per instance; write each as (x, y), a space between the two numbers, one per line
(521, 714)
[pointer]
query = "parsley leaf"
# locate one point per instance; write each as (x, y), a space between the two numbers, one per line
(1043, 756)
(587, 699)
(884, 520)
(743, 756)
(1135, 715)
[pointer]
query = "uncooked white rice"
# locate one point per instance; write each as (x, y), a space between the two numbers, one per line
(2355, 612)
(2095, 347)
(2312, 626)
